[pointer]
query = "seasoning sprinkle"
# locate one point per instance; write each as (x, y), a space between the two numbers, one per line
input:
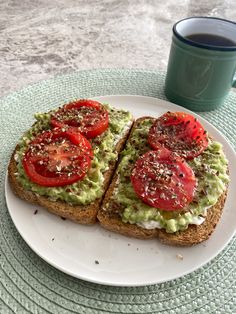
(179, 256)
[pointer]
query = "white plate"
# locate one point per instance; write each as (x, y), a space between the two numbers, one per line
(96, 255)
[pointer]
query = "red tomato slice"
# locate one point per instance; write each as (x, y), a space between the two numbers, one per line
(88, 116)
(58, 158)
(163, 180)
(179, 132)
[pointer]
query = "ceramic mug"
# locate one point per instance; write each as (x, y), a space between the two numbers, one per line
(202, 63)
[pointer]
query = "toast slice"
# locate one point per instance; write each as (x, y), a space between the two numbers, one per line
(81, 213)
(111, 215)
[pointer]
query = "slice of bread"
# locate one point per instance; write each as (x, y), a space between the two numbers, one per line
(84, 214)
(110, 218)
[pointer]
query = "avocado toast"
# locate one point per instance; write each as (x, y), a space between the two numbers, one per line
(123, 211)
(80, 200)
(112, 194)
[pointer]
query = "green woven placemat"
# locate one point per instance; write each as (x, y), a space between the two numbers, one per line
(30, 285)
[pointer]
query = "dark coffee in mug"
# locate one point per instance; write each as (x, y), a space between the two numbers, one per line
(211, 39)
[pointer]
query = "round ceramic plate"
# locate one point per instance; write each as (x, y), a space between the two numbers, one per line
(94, 254)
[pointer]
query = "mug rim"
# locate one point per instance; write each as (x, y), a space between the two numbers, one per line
(200, 45)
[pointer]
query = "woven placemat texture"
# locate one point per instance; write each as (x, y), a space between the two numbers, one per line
(30, 285)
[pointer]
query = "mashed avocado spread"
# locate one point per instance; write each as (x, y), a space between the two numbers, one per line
(210, 169)
(90, 188)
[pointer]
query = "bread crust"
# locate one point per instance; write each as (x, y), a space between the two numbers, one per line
(83, 214)
(194, 234)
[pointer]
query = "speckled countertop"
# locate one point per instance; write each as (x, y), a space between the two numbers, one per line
(41, 38)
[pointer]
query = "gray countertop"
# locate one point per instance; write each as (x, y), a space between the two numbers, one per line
(40, 39)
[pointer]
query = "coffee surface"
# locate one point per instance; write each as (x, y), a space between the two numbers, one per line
(210, 39)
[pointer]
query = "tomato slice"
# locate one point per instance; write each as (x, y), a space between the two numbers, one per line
(58, 158)
(179, 132)
(163, 180)
(88, 116)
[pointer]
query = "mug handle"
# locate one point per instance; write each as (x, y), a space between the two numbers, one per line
(234, 82)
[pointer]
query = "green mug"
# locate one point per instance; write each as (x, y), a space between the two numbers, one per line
(202, 63)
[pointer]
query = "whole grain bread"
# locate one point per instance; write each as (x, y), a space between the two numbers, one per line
(84, 214)
(194, 234)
